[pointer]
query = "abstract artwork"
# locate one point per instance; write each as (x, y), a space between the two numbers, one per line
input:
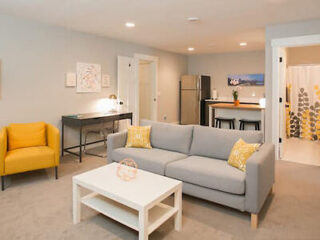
(246, 79)
(88, 77)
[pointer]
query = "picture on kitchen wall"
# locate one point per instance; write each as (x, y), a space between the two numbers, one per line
(88, 77)
(246, 79)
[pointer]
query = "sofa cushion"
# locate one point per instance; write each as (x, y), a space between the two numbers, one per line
(21, 135)
(217, 143)
(207, 172)
(139, 137)
(27, 159)
(168, 136)
(153, 160)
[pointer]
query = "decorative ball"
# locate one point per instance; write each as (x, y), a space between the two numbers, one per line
(127, 169)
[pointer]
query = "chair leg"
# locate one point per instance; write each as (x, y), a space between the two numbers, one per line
(258, 126)
(56, 171)
(220, 124)
(85, 141)
(230, 125)
(104, 138)
(2, 183)
(240, 127)
(233, 125)
(254, 221)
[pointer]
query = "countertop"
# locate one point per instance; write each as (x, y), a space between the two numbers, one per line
(232, 106)
(230, 100)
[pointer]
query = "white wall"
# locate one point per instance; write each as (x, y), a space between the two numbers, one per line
(275, 32)
(303, 55)
(218, 66)
(36, 56)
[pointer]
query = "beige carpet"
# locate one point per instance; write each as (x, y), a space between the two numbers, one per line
(36, 206)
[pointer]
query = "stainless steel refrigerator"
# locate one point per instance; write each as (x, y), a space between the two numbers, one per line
(194, 89)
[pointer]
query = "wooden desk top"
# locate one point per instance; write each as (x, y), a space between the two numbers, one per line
(94, 115)
(241, 106)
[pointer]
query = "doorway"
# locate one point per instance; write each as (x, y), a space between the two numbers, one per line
(146, 85)
(302, 106)
(299, 109)
(146, 104)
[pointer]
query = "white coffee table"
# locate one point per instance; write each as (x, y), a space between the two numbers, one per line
(136, 203)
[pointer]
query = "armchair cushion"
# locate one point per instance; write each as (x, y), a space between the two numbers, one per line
(21, 135)
(27, 159)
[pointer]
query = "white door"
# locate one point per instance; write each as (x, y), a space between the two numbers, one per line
(147, 91)
(282, 100)
(153, 86)
(126, 86)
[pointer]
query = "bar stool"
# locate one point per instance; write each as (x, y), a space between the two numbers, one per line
(229, 120)
(243, 122)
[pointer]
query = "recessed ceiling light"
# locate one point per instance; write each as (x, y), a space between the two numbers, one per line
(242, 44)
(130, 24)
(193, 19)
(190, 49)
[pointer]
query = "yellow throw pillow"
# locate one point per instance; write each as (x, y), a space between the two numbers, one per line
(21, 135)
(240, 153)
(139, 137)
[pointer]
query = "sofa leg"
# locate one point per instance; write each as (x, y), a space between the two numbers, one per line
(2, 183)
(254, 221)
(56, 172)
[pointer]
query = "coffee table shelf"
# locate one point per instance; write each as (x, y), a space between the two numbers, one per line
(126, 215)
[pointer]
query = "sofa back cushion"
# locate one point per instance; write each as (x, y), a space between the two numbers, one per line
(217, 143)
(21, 135)
(168, 136)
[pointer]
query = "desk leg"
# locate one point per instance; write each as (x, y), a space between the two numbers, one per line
(80, 146)
(131, 121)
(62, 139)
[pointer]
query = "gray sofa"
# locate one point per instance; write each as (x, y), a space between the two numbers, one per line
(197, 155)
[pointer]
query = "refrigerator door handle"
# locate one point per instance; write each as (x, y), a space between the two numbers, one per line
(198, 83)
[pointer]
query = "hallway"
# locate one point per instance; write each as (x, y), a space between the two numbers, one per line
(301, 151)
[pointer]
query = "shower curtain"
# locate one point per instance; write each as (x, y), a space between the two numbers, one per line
(303, 102)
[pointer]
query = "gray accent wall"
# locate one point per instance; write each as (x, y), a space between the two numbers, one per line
(35, 57)
(282, 31)
(219, 65)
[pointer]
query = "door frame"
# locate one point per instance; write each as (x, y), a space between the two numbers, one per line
(155, 61)
(276, 46)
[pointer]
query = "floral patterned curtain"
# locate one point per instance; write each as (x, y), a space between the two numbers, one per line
(303, 107)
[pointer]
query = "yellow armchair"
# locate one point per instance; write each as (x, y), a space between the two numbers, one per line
(27, 147)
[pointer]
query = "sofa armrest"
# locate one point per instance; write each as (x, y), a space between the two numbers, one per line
(53, 138)
(3, 148)
(114, 141)
(260, 172)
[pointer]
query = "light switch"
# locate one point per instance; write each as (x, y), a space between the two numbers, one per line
(71, 79)
(106, 80)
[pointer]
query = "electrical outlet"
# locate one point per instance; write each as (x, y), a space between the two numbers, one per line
(165, 117)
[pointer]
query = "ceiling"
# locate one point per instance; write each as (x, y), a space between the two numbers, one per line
(163, 24)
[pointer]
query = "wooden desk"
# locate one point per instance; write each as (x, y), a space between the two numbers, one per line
(80, 120)
(231, 106)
